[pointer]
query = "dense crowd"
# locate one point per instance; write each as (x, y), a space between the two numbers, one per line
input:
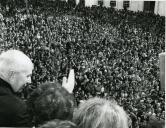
(115, 53)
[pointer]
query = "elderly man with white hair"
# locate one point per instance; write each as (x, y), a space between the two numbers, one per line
(15, 71)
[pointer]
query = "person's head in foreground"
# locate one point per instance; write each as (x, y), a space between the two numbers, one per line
(156, 124)
(16, 69)
(58, 124)
(100, 113)
(51, 101)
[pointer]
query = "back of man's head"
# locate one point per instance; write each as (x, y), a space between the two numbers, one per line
(58, 124)
(51, 101)
(156, 124)
(13, 61)
(100, 113)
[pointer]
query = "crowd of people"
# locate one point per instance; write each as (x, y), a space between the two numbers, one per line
(115, 53)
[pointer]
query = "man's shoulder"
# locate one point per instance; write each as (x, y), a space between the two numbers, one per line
(13, 110)
(5, 88)
(11, 103)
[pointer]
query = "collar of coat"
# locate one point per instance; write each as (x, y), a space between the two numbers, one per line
(5, 87)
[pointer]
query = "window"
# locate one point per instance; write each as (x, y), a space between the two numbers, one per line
(126, 4)
(149, 6)
(100, 2)
(112, 3)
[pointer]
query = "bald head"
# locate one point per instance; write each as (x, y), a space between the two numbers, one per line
(14, 60)
(14, 63)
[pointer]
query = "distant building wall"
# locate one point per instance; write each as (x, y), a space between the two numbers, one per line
(119, 4)
(106, 3)
(160, 8)
(89, 3)
(136, 6)
(133, 5)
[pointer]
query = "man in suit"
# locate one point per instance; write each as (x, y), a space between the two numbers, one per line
(15, 71)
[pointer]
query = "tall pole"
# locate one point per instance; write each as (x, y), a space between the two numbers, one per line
(27, 6)
(162, 70)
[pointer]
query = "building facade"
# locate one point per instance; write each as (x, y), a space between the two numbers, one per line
(158, 7)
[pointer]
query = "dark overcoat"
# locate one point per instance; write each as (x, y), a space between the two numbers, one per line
(13, 110)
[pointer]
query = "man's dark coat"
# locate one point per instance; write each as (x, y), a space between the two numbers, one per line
(13, 110)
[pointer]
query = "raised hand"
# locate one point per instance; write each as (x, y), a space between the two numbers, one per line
(68, 84)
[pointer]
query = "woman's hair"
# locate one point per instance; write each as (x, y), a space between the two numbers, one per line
(100, 113)
(58, 124)
(51, 101)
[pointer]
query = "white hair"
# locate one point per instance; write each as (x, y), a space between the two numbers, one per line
(100, 113)
(13, 61)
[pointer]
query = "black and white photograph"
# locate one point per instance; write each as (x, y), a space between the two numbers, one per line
(82, 63)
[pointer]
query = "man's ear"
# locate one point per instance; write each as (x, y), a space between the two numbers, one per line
(68, 84)
(11, 75)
